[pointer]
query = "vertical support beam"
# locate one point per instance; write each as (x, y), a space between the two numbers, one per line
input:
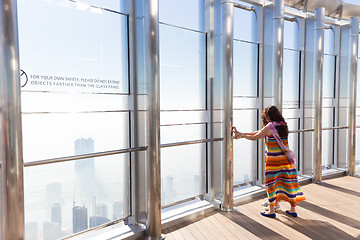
(354, 36)
(11, 168)
(318, 87)
(137, 67)
(227, 12)
(260, 15)
(209, 28)
(278, 26)
(153, 221)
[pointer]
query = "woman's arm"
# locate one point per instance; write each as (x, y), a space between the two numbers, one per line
(254, 135)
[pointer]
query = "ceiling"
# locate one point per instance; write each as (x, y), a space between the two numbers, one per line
(333, 8)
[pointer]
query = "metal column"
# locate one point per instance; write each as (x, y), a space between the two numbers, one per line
(11, 168)
(278, 35)
(354, 36)
(318, 88)
(227, 13)
(153, 221)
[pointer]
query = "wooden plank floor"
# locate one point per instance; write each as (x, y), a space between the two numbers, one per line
(331, 211)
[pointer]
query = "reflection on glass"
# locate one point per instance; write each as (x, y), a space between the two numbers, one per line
(65, 198)
(182, 69)
(246, 32)
(53, 135)
(329, 43)
(268, 70)
(182, 172)
(182, 133)
(245, 68)
(327, 142)
(73, 54)
(329, 76)
(245, 152)
(327, 148)
(184, 13)
(291, 78)
(291, 35)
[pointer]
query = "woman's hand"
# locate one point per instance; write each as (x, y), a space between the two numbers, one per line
(236, 133)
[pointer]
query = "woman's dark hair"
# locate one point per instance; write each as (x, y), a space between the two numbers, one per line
(272, 114)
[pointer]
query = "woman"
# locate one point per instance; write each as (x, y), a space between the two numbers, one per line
(280, 175)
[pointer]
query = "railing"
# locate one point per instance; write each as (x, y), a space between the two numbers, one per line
(312, 129)
(107, 153)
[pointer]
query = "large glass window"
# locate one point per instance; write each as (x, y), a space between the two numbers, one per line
(182, 99)
(328, 112)
(245, 112)
(291, 83)
(75, 100)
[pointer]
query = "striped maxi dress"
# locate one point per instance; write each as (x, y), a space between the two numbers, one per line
(280, 175)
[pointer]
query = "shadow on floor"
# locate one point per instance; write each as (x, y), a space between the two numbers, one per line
(331, 214)
(315, 229)
(252, 226)
(341, 189)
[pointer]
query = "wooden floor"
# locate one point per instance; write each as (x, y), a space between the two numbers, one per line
(331, 211)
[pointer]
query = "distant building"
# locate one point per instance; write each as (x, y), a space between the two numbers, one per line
(53, 195)
(118, 210)
(170, 192)
(101, 210)
(56, 213)
(52, 231)
(31, 231)
(97, 220)
(80, 219)
(84, 171)
(197, 186)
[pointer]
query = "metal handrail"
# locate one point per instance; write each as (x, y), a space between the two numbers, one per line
(312, 129)
(82, 156)
(107, 153)
(190, 142)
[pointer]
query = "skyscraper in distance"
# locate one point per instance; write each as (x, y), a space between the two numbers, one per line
(80, 219)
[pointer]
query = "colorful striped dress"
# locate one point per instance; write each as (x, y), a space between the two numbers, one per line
(280, 175)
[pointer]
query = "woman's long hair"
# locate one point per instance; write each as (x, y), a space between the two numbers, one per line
(272, 114)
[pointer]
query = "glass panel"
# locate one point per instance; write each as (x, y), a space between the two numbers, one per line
(65, 198)
(72, 54)
(245, 152)
(327, 138)
(293, 138)
(357, 149)
(309, 80)
(116, 5)
(291, 35)
(329, 76)
(358, 87)
(182, 133)
(182, 172)
(327, 148)
(245, 68)
(181, 117)
(246, 32)
(182, 69)
(268, 72)
(184, 13)
(55, 135)
(245, 102)
(329, 36)
(50, 102)
(291, 73)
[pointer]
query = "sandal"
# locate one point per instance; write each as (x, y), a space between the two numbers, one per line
(269, 215)
(291, 214)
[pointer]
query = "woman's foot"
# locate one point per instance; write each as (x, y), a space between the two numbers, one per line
(268, 214)
(293, 214)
